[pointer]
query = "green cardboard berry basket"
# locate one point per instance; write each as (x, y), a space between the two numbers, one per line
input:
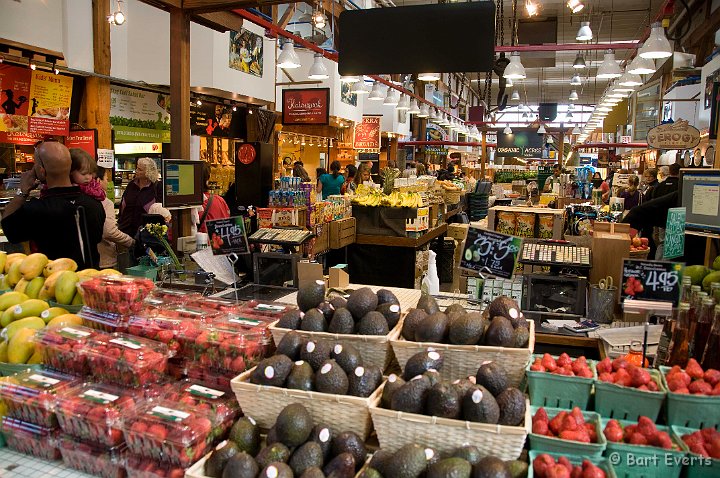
(628, 403)
(603, 463)
(692, 411)
(643, 461)
(543, 443)
(72, 309)
(8, 369)
(559, 391)
(696, 466)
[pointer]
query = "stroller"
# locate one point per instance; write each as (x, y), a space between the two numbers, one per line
(144, 240)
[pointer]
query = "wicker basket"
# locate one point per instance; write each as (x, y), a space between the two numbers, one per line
(375, 349)
(642, 255)
(396, 429)
(198, 469)
(343, 412)
(464, 360)
(451, 197)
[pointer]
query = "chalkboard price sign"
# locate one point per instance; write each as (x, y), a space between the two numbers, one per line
(491, 252)
(675, 233)
(228, 235)
(652, 280)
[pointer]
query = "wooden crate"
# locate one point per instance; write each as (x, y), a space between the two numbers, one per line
(342, 232)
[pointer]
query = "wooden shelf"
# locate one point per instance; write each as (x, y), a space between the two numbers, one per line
(394, 241)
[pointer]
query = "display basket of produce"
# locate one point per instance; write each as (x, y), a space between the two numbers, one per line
(702, 448)
(538, 464)
(628, 396)
(574, 432)
(141, 467)
(560, 382)
(645, 450)
(121, 294)
(30, 395)
(62, 348)
(96, 461)
(198, 469)
(30, 439)
(692, 406)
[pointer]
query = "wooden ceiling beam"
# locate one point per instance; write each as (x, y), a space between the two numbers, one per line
(287, 16)
(219, 21)
(206, 6)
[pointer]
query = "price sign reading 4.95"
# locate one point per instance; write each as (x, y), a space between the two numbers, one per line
(652, 280)
(491, 252)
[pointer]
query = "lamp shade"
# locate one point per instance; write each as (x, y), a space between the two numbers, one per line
(508, 83)
(515, 95)
(641, 66)
(507, 130)
(575, 5)
(318, 70)
(429, 76)
(584, 33)
(349, 79)
(630, 79)
(392, 97)
(404, 103)
(414, 109)
(360, 88)
(424, 111)
(541, 129)
(657, 45)
(579, 62)
(575, 80)
(377, 93)
(609, 68)
(515, 69)
(575, 130)
(573, 95)
(288, 59)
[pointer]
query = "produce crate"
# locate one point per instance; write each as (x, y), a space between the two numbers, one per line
(603, 463)
(396, 429)
(374, 349)
(696, 466)
(556, 445)
(627, 403)
(147, 272)
(641, 461)
(559, 391)
(342, 232)
(264, 403)
(464, 360)
(693, 411)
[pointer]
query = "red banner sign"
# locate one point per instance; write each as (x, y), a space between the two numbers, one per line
(311, 106)
(85, 139)
(367, 133)
(20, 139)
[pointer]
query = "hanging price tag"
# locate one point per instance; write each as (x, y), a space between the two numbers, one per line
(652, 280)
(491, 252)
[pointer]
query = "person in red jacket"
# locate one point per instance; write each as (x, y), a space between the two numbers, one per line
(214, 206)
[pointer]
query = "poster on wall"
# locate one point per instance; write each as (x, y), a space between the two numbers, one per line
(246, 52)
(210, 119)
(139, 115)
(85, 139)
(434, 132)
(346, 95)
(709, 80)
(367, 134)
(306, 106)
(14, 94)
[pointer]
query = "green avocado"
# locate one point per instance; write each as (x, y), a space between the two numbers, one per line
(313, 321)
(245, 434)
(342, 466)
(331, 378)
(380, 460)
(276, 470)
(521, 337)
(479, 405)
(499, 333)
(361, 302)
(411, 323)
(301, 377)
(313, 472)
(491, 467)
(443, 401)
(391, 312)
(408, 462)
(512, 407)
(241, 465)
(428, 304)
(342, 322)
(349, 442)
(347, 356)
(466, 329)
(290, 319)
(392, 384)
(294, 425)
(386, 297)
(450, 468)
(411, 397)
(315, 352)
(276, 452)
(433, 328)
(373, 323)
(310, 295)
(338, 302)
(218, 459)
(469, 453)
(421, 362)
(364, 381)
(306, 456)
(290, 345)
(322, 435)
(492, 376)
(272, 371)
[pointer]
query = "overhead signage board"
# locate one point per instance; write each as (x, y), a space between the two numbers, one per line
(490, 252)
(85, 139)
(520, 143)
(139, 115)
(651, 280)
(306, 106)
(677, 135)
(367, 134)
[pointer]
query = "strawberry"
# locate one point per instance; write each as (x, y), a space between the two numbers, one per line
(652, 386)
(567, 371)
(639, 376)
(622, 377)
(555, 424)
(576, 473)
(638, 439)
(541, 415)
(700, 387)
(694, 369)
(576, 435)
(646, 427)
(564, 360)
(563, 460)
(683, 390)
(591, 471)
(592, 432)
(578, 416)
(661, 440)
(712, 376)
(557, 471)
(537, 367)
(569, 424)
(606, 377)
(541, 463)
(613, 431)
(620, 363)
(628, 431)
(675, 382)
(157, 432)
(548, 362)
(605, 365)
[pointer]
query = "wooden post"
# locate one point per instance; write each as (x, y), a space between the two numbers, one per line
(392, 151)
(179, 84)
(95, 107)
(483, 156)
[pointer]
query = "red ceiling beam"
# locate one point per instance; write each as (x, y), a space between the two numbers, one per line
(611, 145)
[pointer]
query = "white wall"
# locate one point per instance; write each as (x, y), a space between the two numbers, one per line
(78, 34)
(34, 22)
(686, 110)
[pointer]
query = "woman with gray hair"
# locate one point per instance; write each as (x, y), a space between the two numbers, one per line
(141, 193)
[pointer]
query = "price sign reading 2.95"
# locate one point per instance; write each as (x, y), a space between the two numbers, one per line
(492, 252)
(652, 280)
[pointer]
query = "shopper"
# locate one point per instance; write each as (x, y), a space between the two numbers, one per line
(631, 194)
(410, 170)
(650, 181)
(363, 176)
(64, 222)
(552, 179)
(214, 207)
(670, 184)
(330, 184)
(230, 198)
(299, 171)
(141, 193)
(653, 215)
(663, 173)
(319, 172)
(606, 187)
(350, 185)
(112, 236)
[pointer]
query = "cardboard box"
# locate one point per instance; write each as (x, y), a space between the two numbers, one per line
(308, 272)
(458, 232)
(338, 277)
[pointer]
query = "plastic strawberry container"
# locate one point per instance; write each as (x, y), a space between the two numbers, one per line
(265, 309)
(93, 412)
(170, 297)
(141, 467)
(217, 379)
(209, 303)
(62, 348)
(30, 395)
(118, 294)
(95, 461)
(103, 320)
(29, 438)
(126, 360)
(166, 325)
(168, 431)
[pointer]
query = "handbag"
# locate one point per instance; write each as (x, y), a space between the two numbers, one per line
(206, 211)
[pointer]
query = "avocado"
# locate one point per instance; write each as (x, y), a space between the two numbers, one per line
(455, 308)
(517, 468)
(306, 456)
(313, 321)
(391, 312)
(492, 376)
(246, 435)
(271, 436)
(276, 470)
(466, 329)
(347, 356)
(422, 362)
(272, 371)
(379, 460)
(301, 377)
(342, 466)
(480, 406)
(241, 465)
(411, 323)
(291, 319)
(412, 396)
(392, 384)
(342, 322)
(338, 302)
(327, 309)
(504, 306)
(361, 302)
(499, 333)
(290, 345)
(331, 378)
(428, 304)
(350, 442)
(276, 452)
(216, 461)
(433, 328)
(370, 473)
(294, 425)
(512, 407)
(364, 381)
(462, 386)
(373, 323)
(310, 295)
(408, 462)
(433, 375)
(521, 337)
(315, 352)
(520, 321)
(432, 455)
(386, 297)
(322, 435)
(469, 453)
(313, 472)
(443, 401)
(450, 468)
(491, 467)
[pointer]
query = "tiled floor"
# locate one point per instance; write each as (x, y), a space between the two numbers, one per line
(17, 465)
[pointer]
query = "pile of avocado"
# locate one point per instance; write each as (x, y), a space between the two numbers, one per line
(484, 398)
(414, 461)
(318, 365)
(364, 312)
(501, 324)
(294, 447)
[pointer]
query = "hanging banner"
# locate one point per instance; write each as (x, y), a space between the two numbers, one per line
(20, 139)
(520, 143)
(677, 135)
(309, 106)
(85, 139)
(367, 134)
(139, 115)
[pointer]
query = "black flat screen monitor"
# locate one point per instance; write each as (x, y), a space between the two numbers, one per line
(440, 38)
(700, 195)
(182, 182)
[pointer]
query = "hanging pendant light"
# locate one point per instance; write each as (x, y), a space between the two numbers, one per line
(579, 62)
(349, 79)
(609, 68)
(508, 83)
(414, 109)
(360, 88)
(641, 66)
(404, 103)
(318, 70)
(507, 130)
(515, 69)
(575, 130)
(429, 76)
(657, 44)
(575, 5)
(630, 79)
(376, 94)
(424, 111)
(584, 33)
(575, 80)
(515, 95)
(288, 59)
(571, 107)
(573, 95)
(541, 129)
(392, 97)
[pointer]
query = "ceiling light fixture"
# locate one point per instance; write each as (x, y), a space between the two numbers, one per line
(288, 59)
(531, 8)
(585, 32)
(319, 19)
(349, 79)
(657, 44)
(575, 130)
(575, 80)
(641, 66)
(575, 5)
(198, 102)
(360, 88)
(376, 94)
(404, 103)
(515, 69)
(508, 83)
(234, 108)
(117, 17)
(429, 76)
(570, 107)
(414, 109)
(424, 111)
(56, 70)
(609, 68)
(318, 70)
(541, 129)
(507, 130)
(515, 95)
(32, 65)
(392, 97)
(579, 62)
(573, 95)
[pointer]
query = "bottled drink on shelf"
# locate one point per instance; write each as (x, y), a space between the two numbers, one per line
(700, 335)
(715, 291)
(663, 349)
(679, 344)
(711, 356)
(635, 356)
(685, 289)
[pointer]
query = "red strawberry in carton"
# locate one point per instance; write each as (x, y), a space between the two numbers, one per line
(61, 348)
(712, 376)
(589, 470)
(30, 439)
(604, 366)
(555, 424)
(29, 396)
(564, 360)
(127, 360)
(694, 369)
(541, 464)
(549, 363)
(93, 460)
(613, 431)
(700, 387)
